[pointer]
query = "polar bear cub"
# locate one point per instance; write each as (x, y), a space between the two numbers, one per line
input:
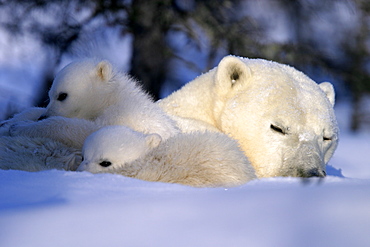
(199, 159)
(87, 95)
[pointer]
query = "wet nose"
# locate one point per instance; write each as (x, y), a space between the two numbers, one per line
(316, 173)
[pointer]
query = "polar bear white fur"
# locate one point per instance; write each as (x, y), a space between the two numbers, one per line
(199, 159)
(87, 95)
(29, 114)
(36, 154)
(283, 120)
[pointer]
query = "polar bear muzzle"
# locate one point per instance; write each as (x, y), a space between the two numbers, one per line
(304, 161)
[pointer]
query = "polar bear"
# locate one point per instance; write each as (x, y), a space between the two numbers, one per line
(29, 114)
(283, 121)
(199, 159)
(37, 154)
(34, 153)
(87, 95)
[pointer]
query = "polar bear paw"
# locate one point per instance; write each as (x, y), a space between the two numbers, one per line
(20, 128)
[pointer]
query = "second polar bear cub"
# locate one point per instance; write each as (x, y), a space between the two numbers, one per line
(89, 94)
(199, 159)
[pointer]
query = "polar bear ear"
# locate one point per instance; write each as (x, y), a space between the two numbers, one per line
(328, 89)
(153, 140)
(104, 71)
(231, 71)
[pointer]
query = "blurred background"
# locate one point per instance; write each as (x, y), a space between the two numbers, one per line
(166, 43)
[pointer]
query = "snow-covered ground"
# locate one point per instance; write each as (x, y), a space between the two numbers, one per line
(57, 208)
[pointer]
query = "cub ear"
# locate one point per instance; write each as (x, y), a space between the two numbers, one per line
(153, 140)
(328, 89)
(231, 71)
(104, 71)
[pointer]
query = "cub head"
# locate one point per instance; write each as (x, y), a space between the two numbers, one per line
(80, 90)
(284, 121)
(112, 147)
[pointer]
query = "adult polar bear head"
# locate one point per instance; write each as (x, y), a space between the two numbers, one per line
(283, 121)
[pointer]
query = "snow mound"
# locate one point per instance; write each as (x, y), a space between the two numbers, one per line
(59, 208)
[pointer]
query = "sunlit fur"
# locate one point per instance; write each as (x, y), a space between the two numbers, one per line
(200, 159)
(95, 95)
(244, 97)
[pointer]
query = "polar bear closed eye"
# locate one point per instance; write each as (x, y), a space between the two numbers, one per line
(283, 120)
(87, 95)
(199, 159)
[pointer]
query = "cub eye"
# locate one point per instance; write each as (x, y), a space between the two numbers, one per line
(62, 96)
(105, 163)
(277, 129)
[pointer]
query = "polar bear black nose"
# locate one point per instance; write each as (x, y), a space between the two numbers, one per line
(316, 173)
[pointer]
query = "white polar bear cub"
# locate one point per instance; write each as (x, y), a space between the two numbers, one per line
(87, 95)
(283, 120)
(199, 159)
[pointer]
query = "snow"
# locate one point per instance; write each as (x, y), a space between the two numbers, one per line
(59, 208)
